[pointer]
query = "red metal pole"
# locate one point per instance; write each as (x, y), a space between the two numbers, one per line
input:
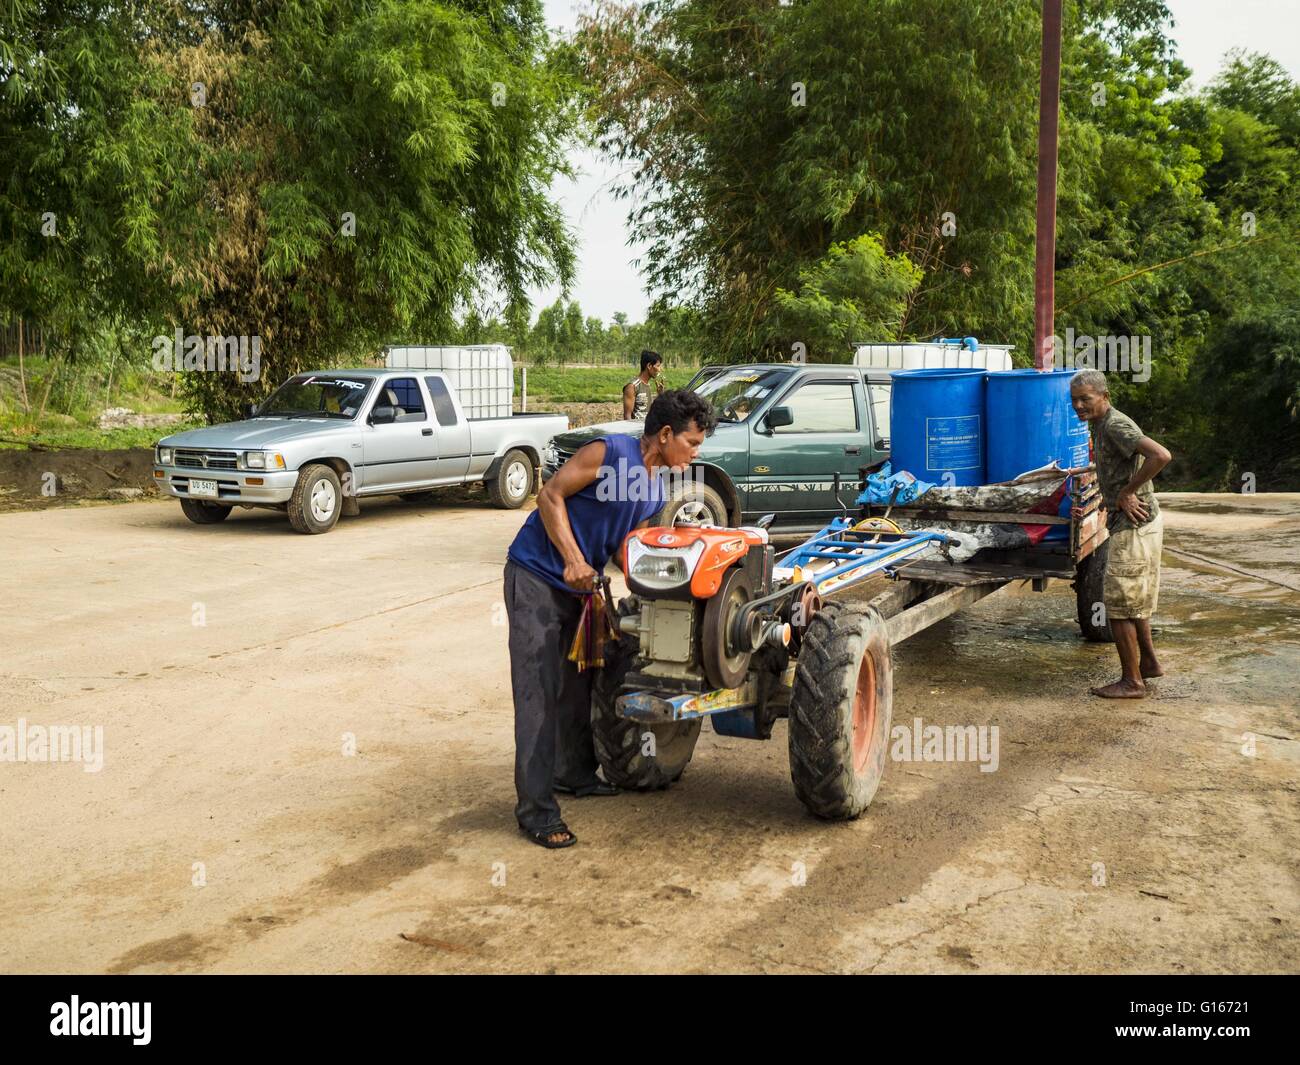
(1049, 106)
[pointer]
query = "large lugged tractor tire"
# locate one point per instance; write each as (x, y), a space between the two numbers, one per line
(840, 711)
(1089, 578)
(623, 747)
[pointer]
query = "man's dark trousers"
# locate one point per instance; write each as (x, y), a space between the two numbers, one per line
(553, 742)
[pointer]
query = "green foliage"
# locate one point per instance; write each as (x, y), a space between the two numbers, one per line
(1178, 213)
(562, 336)
(65, 435)
(360, 171)
(855, 293)
(759, 135)
(1250, 376)
(354, 170)
(1186, 233)
(100, 191)
(586, 384)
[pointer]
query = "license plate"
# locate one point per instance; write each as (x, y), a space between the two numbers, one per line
(207, 489)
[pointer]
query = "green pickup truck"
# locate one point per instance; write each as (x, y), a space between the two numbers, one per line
(784, 431)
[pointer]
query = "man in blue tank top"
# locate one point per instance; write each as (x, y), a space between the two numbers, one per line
(608, 488)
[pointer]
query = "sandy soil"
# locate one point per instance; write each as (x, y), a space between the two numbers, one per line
(32, 479)
(229, 832)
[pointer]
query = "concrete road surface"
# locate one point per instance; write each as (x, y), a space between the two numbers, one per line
(307, 750)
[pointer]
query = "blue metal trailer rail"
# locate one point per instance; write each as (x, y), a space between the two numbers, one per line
(841, 555)
(857, 550)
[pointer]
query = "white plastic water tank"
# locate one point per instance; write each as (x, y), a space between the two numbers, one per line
(933, 355)
(483, 375)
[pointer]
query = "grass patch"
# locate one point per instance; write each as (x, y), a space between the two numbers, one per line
(556, 384)
(62, 436)
(78, 428)
(71, 417)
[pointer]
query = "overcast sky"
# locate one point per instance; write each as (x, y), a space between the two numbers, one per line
(607, 281)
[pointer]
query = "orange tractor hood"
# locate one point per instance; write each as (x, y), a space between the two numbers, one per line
(722, 549)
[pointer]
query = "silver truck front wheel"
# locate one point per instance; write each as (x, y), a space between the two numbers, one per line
(517, 479)
(315, 506)
(323, 500)
(513, 481)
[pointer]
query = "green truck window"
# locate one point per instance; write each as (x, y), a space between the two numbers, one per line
(880, 393)
(822, 407)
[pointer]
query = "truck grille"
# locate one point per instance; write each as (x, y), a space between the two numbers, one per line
(207, 460)
(561, 456)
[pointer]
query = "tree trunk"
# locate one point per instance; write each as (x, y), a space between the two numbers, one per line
(22, 370)
(49, 383)
(112, 362)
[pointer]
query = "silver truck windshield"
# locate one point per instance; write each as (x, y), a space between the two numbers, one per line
(317, 395)
(736, 392)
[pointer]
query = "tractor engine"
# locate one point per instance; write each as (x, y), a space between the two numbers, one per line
(706, 605)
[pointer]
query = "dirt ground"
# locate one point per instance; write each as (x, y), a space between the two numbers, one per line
(231, 668)
(32, 479)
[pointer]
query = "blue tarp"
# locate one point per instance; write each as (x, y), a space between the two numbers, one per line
(880, 486)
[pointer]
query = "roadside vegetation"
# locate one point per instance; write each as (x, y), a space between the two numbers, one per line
(587, 384)
(331, 179)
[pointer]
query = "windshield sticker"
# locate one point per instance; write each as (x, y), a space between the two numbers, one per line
(338, 382)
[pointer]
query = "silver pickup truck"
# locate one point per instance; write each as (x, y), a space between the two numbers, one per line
(322, 440)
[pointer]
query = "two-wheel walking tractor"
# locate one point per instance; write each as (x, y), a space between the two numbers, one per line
(719, 625)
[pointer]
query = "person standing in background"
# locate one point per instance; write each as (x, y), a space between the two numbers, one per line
(636, 393)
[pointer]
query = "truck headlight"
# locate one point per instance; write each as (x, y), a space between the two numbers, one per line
(550, 457)
(164, 456)
(262, 460)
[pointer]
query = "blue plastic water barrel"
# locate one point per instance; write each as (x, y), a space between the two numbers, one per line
(1030, 423)
(936, 425)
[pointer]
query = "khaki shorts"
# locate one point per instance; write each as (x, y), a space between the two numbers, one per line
(1132, 585)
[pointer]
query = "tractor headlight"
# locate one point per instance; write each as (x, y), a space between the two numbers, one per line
(659, 568)
(662, 571)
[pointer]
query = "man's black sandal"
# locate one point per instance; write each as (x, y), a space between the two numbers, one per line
(601, 787)
(542, 837)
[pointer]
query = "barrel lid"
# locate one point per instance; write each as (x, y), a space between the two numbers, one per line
(941, 371)
(1026, 372)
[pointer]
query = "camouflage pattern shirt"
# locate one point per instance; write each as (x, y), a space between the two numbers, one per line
(1115, 438)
